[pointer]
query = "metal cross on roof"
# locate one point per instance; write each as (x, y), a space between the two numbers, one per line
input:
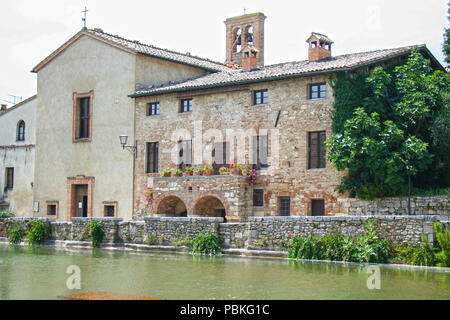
(84, 19)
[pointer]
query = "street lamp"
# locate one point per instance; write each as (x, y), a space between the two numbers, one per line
(123, 141)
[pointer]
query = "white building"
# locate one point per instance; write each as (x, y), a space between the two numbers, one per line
(17, 154)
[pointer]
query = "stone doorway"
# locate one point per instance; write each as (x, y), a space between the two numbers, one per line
(209, 206)
(172, 206)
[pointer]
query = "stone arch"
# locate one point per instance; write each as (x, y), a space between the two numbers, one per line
(209, 206)
(171, 206)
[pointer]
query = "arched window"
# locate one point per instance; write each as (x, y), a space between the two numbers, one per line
(237, 40)
(21, 131)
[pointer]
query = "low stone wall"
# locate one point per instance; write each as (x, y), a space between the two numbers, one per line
(169, 230)
(7, 224)
(132, 231)
(234, 235)
(277, 232)
(267, 233)
(426, 205)
(80, 227)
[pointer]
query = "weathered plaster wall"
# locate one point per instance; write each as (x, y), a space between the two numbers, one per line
(19, 155)
(86, 65)
(235, 110)
(153, 71)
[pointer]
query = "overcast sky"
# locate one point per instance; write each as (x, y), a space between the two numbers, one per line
(31, 30)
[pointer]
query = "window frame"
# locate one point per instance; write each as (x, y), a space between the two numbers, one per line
(258, 197)
(49, 204)
(153, 109)
(259, 94)
(189, 105)
(9, 178)
(283, 207)
(181, 143)
(321, 158)
(155, 146)
(20, 135)
(76, 132)
(256, 154)
(319, 91)
(113, 204)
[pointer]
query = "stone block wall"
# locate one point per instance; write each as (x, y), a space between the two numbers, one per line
(80, 227)
(132, 231)
(420, 205)
(234, 235)
(7, 224)
(173, 229)
(279, 231)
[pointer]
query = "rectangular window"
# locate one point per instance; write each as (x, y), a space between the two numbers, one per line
(9, 178)
(186, 105)
(220, 154)
(260, 97)
(316, 149)
(51, 210)
(184, 154)
(84, 118)
(109, 211)
(285, 206)
(258, 197)
(260, 152)
(317, 91)
(152, 157)
(318, 207)
(153, 109)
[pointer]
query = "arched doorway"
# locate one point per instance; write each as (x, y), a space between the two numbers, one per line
(172, 206)
(209, 206)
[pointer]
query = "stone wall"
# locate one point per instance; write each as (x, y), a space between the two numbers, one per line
(168, 230)
(273, 233)
(426, 205)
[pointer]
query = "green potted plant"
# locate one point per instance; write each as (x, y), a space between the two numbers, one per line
(166, 173)
(223, 171)
(209, 171)
(189, 171)
(178, 173)
(236, 168)
(199, 172)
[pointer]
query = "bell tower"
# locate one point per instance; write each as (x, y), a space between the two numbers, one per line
(242, 32)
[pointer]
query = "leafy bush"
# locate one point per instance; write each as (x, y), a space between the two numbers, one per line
(442, 257)
(336, 247)
(38, 232)
(424, 255)
(151, 239)
(6, 214)
(15, 234)
(185, 242)
(97, 233)
(205, 243)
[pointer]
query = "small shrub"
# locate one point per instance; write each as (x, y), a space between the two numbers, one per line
(263, 242)
(151, 239)
(97, 233)
(6, 214)
(424, 255)
(15, 235)
(117, 239)
(185, 242)
(208, 244)
(442, 256)
(38, 232)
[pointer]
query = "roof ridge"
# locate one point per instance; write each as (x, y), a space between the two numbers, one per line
(97, 30)
(19, 104)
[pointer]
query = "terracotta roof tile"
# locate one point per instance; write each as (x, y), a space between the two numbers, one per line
(279, 71)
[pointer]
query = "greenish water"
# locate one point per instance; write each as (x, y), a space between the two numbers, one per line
(40, 273)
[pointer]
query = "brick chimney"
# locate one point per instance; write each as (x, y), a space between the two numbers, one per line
(250, 58)
(3, 107)
(319, 47)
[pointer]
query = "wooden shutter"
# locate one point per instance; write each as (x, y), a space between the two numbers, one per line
(317, 207)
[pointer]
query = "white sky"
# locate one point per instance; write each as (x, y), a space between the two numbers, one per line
(31, 30)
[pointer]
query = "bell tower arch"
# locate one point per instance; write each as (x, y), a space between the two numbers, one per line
(242, 31)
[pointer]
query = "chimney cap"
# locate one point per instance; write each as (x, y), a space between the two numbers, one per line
(320, 37)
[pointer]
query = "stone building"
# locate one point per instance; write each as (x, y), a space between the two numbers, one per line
(82, 109)
(17, 144)
(273, 118)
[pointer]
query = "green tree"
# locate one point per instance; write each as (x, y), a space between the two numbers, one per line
(446, 45)
(388, 137)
